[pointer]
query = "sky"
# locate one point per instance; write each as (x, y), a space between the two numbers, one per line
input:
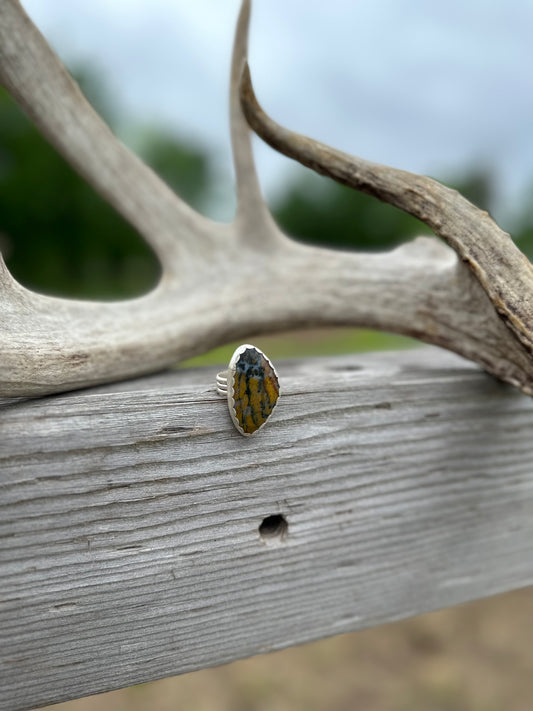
(430, 87)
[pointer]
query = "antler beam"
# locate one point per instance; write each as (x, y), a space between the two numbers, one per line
(222, 282)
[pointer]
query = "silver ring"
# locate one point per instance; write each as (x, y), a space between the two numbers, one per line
(251, 386)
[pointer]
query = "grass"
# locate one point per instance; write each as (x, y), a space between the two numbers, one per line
(305, 344)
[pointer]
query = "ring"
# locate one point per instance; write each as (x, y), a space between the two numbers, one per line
(251, 386)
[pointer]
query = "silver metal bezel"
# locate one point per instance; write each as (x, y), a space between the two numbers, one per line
(226, 388)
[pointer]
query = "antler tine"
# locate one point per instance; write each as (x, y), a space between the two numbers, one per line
(251, 207)
(34, 75)
(503, 271)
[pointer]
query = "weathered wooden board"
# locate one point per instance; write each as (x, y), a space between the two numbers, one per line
(129, 542)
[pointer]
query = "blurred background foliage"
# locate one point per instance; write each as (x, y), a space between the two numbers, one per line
(59, 237)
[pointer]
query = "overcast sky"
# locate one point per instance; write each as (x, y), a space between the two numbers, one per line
(432, 87)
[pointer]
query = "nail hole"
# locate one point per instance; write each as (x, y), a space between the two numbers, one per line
(274, 528)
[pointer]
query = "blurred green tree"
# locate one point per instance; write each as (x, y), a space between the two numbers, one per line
(523, 234)
(316, 209)
(57, 235)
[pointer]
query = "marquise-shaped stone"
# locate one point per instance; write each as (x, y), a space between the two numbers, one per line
(255, 389)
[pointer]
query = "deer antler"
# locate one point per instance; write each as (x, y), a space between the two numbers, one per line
(503, 271)
(222, 282)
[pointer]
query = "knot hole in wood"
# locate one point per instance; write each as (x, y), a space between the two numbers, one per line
(274, 528)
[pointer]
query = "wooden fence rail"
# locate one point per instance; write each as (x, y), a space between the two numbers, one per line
(141, 536)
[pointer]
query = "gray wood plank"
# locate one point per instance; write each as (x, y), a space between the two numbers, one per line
(130, 514)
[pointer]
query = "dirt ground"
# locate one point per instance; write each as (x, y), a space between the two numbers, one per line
(475, 657)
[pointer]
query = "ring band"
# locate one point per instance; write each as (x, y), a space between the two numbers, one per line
(222, 383)
(251, 386)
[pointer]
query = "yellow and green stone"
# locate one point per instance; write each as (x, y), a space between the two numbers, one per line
(255, 390)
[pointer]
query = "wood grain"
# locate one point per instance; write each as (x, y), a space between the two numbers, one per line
(129, 542)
